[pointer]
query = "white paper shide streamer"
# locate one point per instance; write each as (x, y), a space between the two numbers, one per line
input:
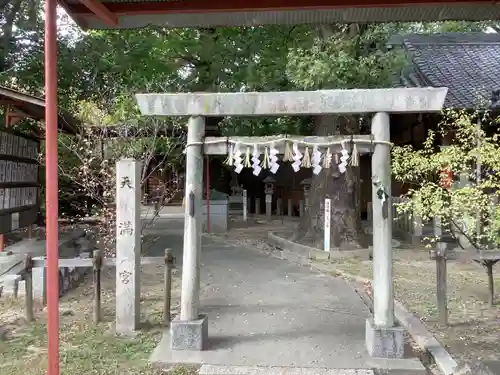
(237, 159)
(316, 160)
(343, 159)
(297, 156)
(256, 161)
(273, 159)
(327, 159)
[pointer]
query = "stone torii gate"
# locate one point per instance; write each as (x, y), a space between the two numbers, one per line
(383, 337)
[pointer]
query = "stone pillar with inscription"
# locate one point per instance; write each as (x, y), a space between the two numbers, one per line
(190, 330)
(128, 245)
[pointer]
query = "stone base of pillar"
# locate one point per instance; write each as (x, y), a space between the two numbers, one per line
(384, 342)
(416, 240)
(189, 335)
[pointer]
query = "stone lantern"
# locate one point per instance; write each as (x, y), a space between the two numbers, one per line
(306, 185)
(269, 190)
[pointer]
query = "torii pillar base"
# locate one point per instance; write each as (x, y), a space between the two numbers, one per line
(384, 342)
(189, 334)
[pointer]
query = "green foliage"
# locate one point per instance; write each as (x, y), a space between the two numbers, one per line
(21, 24)
(99, 71)
(470, 208)
(345, 60)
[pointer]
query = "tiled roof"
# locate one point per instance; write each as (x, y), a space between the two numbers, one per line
(467, 63)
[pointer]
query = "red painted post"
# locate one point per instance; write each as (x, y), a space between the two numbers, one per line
(207, 167)
(51, 186)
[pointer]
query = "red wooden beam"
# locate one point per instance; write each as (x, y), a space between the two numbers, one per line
(101, 11)
(203, 6)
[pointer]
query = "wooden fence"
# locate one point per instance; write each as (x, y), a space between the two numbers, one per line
(96, 263)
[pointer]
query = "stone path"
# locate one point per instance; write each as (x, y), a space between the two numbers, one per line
(264, 311)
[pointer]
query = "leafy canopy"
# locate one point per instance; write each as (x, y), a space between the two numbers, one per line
(470, 207)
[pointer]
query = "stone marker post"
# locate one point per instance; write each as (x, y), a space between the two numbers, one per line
(327, 226)
(441, 266)
(279, 206)
(128, 245)
(301, 208)
(383, 338)
(245, 205)
(190, 330)
(290, 212)
(257, 206)
(269, 190)
(306, 185)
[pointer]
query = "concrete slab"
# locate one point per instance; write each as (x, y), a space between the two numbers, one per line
(392, 366)
(267, 312)
(258, 370)
(236, 311)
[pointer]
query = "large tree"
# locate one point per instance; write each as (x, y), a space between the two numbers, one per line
(344, 57)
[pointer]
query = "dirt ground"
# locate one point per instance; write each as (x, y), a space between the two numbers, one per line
(86, 348)
(93, 349)
(473, 329)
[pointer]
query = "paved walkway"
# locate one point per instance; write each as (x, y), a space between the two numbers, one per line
(265, 311)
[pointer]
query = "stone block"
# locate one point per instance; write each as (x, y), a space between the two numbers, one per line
(10, 284)
(474, 368)
(189, 335)
(21, 288)
(384, 342)
(319, 255)
(219, 216)
(39, 286)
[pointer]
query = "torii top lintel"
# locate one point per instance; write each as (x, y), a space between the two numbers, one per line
(123, 14)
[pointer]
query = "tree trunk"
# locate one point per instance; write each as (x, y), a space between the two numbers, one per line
(344, 191)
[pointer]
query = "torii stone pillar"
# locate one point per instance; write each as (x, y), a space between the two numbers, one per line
(383, 338)
(190, 331)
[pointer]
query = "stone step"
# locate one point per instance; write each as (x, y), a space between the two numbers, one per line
(264, 370)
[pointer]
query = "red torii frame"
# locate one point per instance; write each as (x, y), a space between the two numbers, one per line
(52, 186)
(109, 15)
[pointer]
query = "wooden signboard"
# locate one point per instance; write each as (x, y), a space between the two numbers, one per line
(19, 186)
